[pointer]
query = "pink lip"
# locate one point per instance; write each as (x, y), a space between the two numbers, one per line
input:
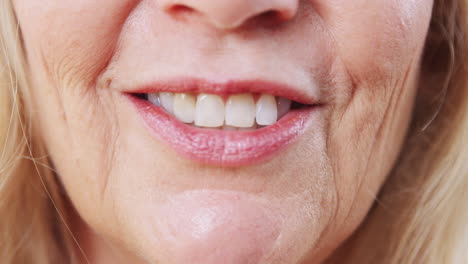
(197, 85)
(220, 147)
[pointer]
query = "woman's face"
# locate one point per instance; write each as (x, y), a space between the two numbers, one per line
(149, 188)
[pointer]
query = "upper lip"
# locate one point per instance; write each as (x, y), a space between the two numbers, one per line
(197, 85)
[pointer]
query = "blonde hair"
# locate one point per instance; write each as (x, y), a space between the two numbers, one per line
(420, 216)
(31, 228)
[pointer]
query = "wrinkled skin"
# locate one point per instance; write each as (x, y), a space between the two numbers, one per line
(129, 189)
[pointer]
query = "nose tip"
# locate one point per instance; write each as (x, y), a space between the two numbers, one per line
(230, 14)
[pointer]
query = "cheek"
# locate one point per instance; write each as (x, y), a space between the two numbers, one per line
(68, 44)
(375, 38)
(71, 40)
(377, 47)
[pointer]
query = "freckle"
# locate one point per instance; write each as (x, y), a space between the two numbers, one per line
(64, 116)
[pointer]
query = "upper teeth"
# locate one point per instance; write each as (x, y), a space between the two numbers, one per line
(209, 110)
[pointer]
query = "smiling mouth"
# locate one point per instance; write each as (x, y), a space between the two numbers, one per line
(236, 112)
(227, 124)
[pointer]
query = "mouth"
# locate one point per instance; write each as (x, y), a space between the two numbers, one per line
(224, 124)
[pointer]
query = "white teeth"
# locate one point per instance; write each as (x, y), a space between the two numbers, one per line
(154, 99)
(283, 106)
(240, 110)
(209, 111)
(267, 112)
(184, 107)
(166, 100)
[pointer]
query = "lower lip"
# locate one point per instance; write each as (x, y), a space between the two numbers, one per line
(220, 147)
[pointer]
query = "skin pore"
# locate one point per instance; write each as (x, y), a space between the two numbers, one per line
(138, 201)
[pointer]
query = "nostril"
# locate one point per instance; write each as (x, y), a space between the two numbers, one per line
(269, 14)
(229, 14)
(269, 17)
(179, 10)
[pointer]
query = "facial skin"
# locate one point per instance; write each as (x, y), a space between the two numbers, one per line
(130, 191)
